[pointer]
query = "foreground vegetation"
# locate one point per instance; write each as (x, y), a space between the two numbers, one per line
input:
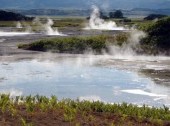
(40, 110)
(76, 44)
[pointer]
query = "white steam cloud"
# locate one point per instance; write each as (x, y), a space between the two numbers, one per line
(49, 30)
(27, 27)
(19, 25)
(127, 49)
(97, 23)
(45, 29)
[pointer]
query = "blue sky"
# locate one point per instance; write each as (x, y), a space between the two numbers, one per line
(105, 4)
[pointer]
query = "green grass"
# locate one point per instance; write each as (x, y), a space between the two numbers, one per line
(58, 22)
(76, 44)
(138, 22)
(69, 23)
(12, 23)
(144, 25)
(7, 24)
(20, 107)
(76, 22)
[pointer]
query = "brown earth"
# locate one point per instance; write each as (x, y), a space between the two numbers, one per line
(56, 118)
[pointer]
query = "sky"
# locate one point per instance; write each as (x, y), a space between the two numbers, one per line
(84, 4)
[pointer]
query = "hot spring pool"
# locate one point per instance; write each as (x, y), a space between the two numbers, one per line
(80, 78)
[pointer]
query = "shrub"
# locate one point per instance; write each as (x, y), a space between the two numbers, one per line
(154, 16)
(75, 44)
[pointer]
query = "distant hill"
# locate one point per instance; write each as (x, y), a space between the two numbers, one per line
(54, 12)
(137, 12)
(85, 4)
(11, 16)
(155, 11)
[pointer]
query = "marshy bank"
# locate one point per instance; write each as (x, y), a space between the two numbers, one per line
(78, 45)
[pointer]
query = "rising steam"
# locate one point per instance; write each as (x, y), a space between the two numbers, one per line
(97, 23)
(45, 29)
(19, 25)
(49, 30)
(127, 49)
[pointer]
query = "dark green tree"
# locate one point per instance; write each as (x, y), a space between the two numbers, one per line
(154, 16)
(159, 35)
(103, 16)
(116, 14)
(111, 14)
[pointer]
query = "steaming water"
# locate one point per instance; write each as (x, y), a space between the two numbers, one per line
(3, 33)
(97, 23)
(87, 78)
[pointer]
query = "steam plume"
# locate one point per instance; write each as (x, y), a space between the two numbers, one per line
(127, 49)
(49, 30)
(19, 25)
(97, 23)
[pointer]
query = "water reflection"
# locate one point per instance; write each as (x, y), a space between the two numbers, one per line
(83, 79)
